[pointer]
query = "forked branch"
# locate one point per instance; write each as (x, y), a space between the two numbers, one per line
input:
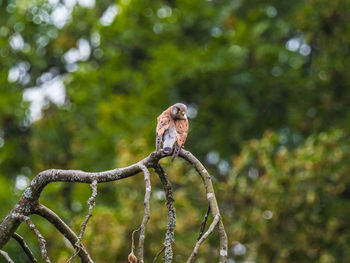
(25, 247)
(42, 241)
(65, 230)
(29, 204)
(211, 198)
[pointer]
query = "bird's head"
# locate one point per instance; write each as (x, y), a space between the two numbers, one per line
(178, 111)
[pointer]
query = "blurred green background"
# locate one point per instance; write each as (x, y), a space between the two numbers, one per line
(267, 86)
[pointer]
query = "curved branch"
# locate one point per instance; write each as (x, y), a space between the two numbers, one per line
(29, 201)
(147, 212)
(158, 254)
(6, 256)
(25, 247)
(201, 240)
(91, 203)
(65, 230)
(30, 197)
(42, 241)
(214, 208)
(169, 236)
(131, 257)
(204, 223)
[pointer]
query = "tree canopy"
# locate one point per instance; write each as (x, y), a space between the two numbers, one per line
(267, 87)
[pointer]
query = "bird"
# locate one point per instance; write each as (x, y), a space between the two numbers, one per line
(172, 129)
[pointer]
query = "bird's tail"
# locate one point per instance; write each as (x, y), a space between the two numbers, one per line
(176, 152)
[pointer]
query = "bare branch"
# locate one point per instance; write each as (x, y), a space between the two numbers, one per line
(204, 223)
(42, 241)
(25, 247)
(169, 236)
(65, 230)
(158, 254)
(29, 203)
(132, 258)
(211, 198)
(147, 212)
(133, 239)
(91, 203)
(29, 198)
(6, 256)
(201, 240)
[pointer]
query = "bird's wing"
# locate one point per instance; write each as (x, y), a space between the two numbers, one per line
(182, 130)
(164, 121)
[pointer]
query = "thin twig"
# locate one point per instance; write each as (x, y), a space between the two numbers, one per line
(204, 223)
(65, 230)
(42, 241)
(201, 240)
(133, 239)
(147, 212)
(25, 247)
(169, 235)
(91, 203)
(132, 258)
(158, 254)
(6, 256)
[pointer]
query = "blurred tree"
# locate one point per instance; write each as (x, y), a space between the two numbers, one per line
(243, 67)
(291, 205)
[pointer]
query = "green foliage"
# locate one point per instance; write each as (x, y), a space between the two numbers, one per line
(292, 205)
(267, 83)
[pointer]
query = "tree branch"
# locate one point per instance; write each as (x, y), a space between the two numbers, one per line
(6, 256)
(65, 230)
(25, 247)
(214, 208)
(132, 258)
(169, 236)
(42, 241)
(201, 240)
(91, 204)
(160, 252)
(30, 197)
(147, 212)
(204, 223)
(29, 202)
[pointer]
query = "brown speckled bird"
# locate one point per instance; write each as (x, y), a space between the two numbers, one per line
(172, 129)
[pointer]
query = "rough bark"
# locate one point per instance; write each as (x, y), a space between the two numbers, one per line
(169, 235)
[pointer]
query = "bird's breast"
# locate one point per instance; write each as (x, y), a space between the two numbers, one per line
(172, 131)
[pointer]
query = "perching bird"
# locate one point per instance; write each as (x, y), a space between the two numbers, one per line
(172, 129)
